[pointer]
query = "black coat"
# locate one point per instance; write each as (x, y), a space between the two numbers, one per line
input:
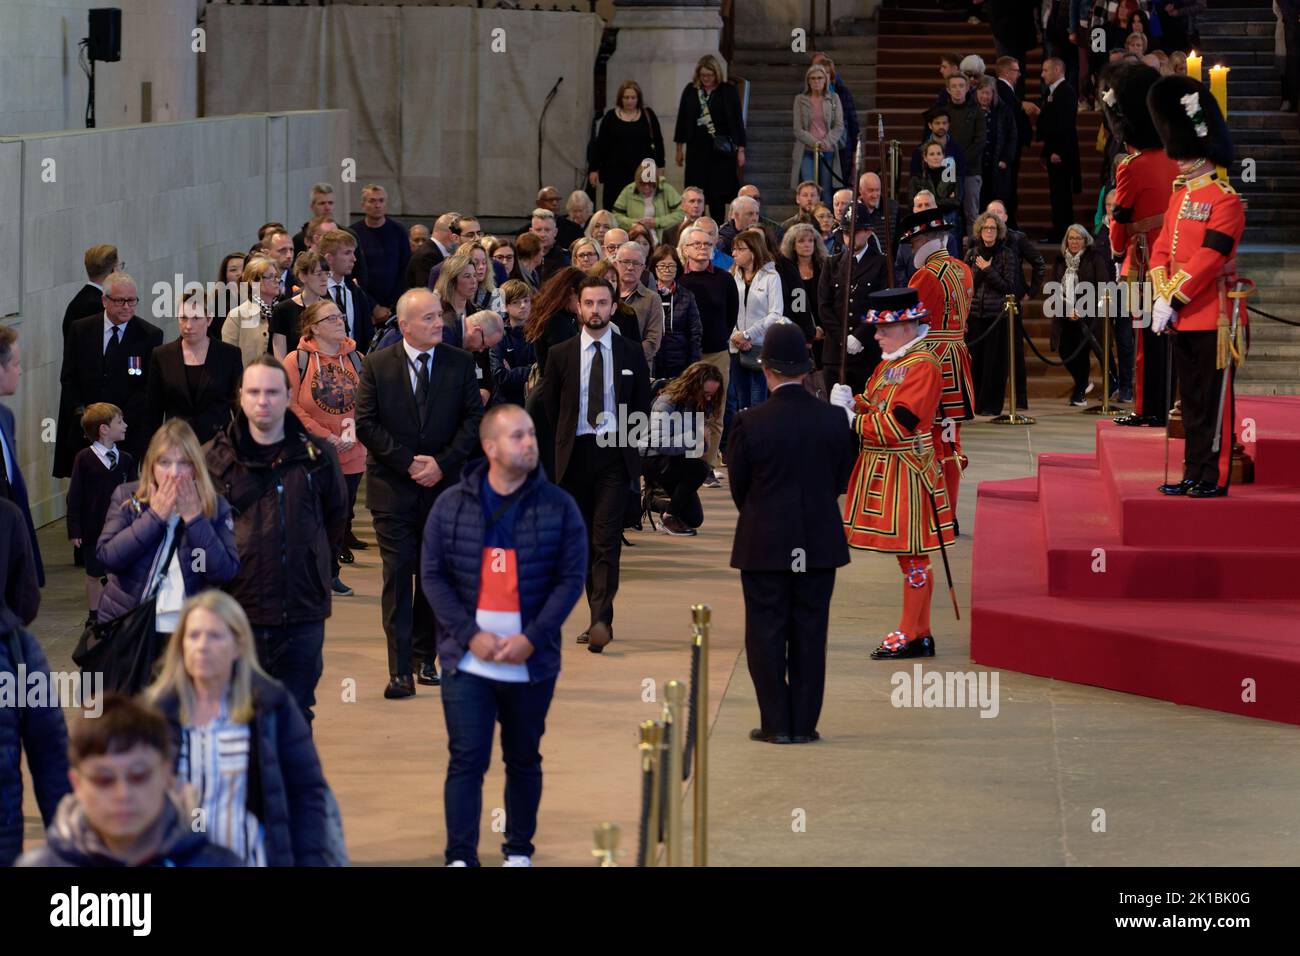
(1024, 129)
(388, 423)
(18, 581)
(1094, 269)
(993, 283)
(18, 491)
(619, 149)
(870, 274)
(284, 538)
(86, 379)
(286, 787)
(363, 330)
(89, 495)
(88, 301)
(422, 262)
(802, 309)
(1058, 129)
(561, 386)
(716, 173)
(788, 461)
(213, 407)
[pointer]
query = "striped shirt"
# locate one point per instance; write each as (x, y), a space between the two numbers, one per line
(214, 760)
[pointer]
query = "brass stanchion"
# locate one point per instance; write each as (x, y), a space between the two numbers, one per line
(651, 747)
(700, 617)
(1103, 407)
(1012, 417)
(674, 724)
(606, 848)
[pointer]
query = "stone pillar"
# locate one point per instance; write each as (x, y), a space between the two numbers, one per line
(659, 43)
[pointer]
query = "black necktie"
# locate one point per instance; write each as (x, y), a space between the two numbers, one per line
(114, 343)
(596, 386)
(112, 458)
(340, 297)
(422, 385)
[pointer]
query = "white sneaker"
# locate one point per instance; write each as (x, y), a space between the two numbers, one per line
(458, 863)
(518, 861)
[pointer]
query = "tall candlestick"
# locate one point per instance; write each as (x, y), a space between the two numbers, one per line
(1194, 65)
(1219, 90)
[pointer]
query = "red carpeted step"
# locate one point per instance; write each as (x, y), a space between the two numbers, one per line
(1132, 464)
(1200, 653)
(1275, 421)
(1087, 559)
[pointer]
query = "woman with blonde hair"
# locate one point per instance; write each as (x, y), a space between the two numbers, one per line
(710, 135)
(248, 325)
(584, 253)
(165, 537)
(457, 286)
(818, 126)
(601, 222)
(243, 753)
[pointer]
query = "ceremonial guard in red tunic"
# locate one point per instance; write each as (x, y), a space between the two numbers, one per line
(1194, 277)
(1144, 178)
(896, 502)
(945, 286)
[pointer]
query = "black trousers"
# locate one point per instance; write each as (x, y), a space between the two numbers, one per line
(1156, 396)
(1200, 385)
(408, 619)
(1073, 351)
(680, 478)
(599, 482)
(786, 618)
(989, 360)
(1060, 185)
(1012, 199)
(353, 482)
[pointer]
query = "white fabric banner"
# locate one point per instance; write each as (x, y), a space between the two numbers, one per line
(445, 101)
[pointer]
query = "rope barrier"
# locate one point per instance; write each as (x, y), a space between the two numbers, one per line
(1269, 315)
(643, 826)
(692, 715)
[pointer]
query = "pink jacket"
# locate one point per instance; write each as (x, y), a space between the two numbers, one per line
(324, 395)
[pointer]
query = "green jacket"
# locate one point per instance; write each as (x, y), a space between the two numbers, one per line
(629, 206)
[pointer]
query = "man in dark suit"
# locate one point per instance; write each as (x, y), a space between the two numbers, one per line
(1008, 85)
(100, 262)
(1058, 131)
(418, 411)
(339, 249)
(442, 243)
(106, 359)
(594, 385)
(12, 486)
(789, 460)
(870, 272)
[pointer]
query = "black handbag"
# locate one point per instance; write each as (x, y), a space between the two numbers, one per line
(721, 143)
(125, 649)
(750, 360)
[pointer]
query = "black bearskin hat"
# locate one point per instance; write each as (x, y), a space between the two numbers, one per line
(1189, 120)
(1124, 105)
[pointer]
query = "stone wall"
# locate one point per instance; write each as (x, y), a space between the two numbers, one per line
(173, 197)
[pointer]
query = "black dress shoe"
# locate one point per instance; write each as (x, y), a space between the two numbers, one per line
(1177, 488)
(805, 738)
(352, 541)
(916, 647)
(399, 687)
(1206, 489)
(428, 674)
(767, 737)
(346, 556)
(1137, 420)
(599, 635)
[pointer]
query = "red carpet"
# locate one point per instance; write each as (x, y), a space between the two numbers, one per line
(1086, 573)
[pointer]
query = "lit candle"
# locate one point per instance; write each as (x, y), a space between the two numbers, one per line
(1194, 65)
(1219, 87)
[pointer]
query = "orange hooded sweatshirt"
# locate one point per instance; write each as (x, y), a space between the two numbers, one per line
(324, 396)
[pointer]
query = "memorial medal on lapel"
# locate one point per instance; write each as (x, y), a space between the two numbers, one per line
(1197, 211)
(134, 365)
(894, 376)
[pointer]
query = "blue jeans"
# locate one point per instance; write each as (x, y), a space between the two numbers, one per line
(472, 705)
(824, 174)
(745, 388)
(294, 655)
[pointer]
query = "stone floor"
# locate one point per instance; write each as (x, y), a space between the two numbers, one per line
(1063, 775)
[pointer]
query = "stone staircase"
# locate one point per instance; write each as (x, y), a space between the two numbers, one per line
(1239, 35)
(1273, 364)
(775, 77)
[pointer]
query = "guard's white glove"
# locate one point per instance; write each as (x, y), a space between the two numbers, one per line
(1163, 316)
(842, 396)
(854, 346)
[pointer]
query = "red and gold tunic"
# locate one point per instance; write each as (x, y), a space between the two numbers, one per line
(1193, 264)
(1143, 182)
(945, 286)
(888, 505)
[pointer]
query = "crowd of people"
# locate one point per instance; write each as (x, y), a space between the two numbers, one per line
(482, 384)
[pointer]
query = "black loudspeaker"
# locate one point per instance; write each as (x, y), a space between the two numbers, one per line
(105, 40)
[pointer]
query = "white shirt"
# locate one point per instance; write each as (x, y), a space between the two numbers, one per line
(1052, 89)
(95, 284)
(413, 363)
(171, 592)
(101, 452)
(8, 455)
(585, 356)
(108, 332)
(336, 284)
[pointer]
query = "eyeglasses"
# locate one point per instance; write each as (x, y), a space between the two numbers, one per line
(503, 256)
(116, 301)
(135, 777)
(699, 243)
(627, 262)
(471, 233)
